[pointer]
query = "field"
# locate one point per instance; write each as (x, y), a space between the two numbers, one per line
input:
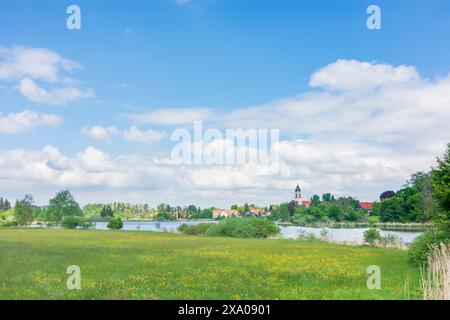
(145, 265)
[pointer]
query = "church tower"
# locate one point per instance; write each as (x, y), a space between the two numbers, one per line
(298, 195)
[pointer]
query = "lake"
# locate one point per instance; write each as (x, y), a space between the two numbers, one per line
(352, 235)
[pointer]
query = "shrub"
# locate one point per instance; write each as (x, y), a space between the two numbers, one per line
(421, 247)
(115, 223)
(10, 223)
(371, 236)
(195, 229)
(305, 236)
(244, 228)
(71, 222)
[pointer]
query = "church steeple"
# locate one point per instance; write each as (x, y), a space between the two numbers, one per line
(298, 195)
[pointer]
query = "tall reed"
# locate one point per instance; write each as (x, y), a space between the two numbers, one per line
(435, 280)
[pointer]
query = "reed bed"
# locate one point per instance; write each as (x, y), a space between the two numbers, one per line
(435, 281)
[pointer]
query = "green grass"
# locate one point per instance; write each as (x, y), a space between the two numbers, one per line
(373, 219)
(146, 265)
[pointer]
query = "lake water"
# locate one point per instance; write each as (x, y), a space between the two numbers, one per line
(287, 232)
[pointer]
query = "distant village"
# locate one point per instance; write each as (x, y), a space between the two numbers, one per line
(260, 212)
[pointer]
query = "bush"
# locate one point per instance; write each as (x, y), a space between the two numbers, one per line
(71, 222)
(371, 236)
(10, 223)
(421, 247)
(244, 228)
(115, 223)
(195, 229)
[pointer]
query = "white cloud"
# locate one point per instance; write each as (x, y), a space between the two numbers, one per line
(33, 65)
(172, 116)
(100, 133)
(60, 96)
(133, 134)
(27, 120)
(352, 75)
(349, 138)
(148, 136)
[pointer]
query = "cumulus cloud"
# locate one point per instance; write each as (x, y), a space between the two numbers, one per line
(60, 96)
(35, 63)
(347, 137)
(26, 120)
(32, 65)
(352, 75)
(100, 133)
(133, 134)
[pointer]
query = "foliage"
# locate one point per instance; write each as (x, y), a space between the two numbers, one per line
(115, 223)
(315, 200)
(92, 210)
(194, 229)
(5, 205)
(73, 222)
(421, 247)
(62, 205)
(371, 236)
(441, 192)
(23, 210)
(106, 211)
(253, 227)
(387, 194)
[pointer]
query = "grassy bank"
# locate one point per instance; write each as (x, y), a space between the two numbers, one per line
(145, 265)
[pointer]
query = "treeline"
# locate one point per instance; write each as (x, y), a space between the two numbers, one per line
(323, 209)
(64, 210)
(413, 203)
(430, 193)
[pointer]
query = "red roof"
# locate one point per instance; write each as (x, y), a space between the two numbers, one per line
(366, 205)
(306, 203)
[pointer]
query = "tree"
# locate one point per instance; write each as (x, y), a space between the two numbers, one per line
(335, 213)
(106, 211)
(23, 210)
(371, 236)
(62, 205)
(246, 208)
(387, 194)
(115, 223)
(327, 197)
(291, 207)
(441, 192)
(6, 205)
(92, 210)
(315, 200)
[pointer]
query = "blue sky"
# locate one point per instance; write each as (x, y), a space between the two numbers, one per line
(225, 59)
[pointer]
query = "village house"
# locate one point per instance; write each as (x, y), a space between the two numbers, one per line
(258, 212)
(227, 213)
(179, 214)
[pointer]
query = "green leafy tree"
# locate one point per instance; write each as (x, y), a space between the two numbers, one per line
(23, 210)
(335, 213)
(371, 236)
(115, 223)
(441, 192)
(62, 205)
(92, 210)
(106, 211)
(315, 200)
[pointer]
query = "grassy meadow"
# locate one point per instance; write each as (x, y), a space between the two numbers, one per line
(146, 265)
